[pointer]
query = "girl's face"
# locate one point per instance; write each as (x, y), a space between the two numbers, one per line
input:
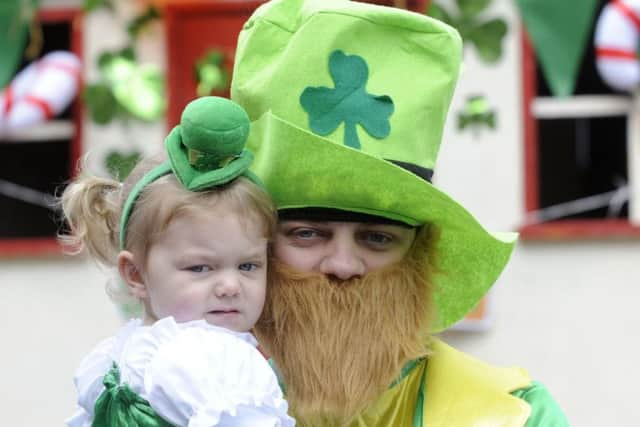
(207, 266)
(341, 249)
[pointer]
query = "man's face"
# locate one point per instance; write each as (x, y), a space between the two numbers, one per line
(348, 305)
(341, 250)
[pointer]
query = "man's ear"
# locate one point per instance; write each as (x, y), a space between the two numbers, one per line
(131, 274)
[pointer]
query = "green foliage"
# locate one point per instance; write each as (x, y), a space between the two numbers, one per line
(485, 35)
(120, 164)
(347, 102)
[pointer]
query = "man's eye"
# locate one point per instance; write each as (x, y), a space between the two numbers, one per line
(248, 266)
(378, 239)
(305, 233)
(199, 268)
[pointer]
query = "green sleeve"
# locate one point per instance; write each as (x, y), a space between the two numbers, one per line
(545, 411)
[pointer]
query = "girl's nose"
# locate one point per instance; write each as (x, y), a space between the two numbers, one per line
(227, 285)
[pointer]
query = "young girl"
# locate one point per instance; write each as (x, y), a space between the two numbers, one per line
(189, 238)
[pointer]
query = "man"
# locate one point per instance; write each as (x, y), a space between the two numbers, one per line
(349, 102)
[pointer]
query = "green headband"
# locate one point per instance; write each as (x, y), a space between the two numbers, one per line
(205, 150)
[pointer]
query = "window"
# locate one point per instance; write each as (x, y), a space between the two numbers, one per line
(36, 161)
(577, 155)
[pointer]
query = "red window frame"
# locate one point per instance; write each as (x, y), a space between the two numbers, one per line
(18, 247)
(553, 230)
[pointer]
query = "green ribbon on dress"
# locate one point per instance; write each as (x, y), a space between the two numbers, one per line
(119, 406)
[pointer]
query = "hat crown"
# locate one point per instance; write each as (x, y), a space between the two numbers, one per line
(213, 129)
(393, 69)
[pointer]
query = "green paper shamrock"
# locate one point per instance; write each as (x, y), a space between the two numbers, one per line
(476, 114)
(120, 164)
(348, 102)
(211, 74)
(485, 35)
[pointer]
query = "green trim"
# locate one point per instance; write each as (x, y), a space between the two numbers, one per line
(418, 416)
(545, 411)
(119, 405)
(406, 370)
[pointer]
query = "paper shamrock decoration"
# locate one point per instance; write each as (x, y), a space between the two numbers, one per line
(347, 102)
(476, 114)
(126, 89)
(485, 35)
(210, 73)
(120, 164)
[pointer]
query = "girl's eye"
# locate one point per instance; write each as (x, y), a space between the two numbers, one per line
(248, 266)
(199, 268)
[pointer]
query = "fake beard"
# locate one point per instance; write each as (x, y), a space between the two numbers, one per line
(339, 344)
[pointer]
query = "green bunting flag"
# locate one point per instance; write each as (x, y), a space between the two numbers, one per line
(15, 18)
(559, 30)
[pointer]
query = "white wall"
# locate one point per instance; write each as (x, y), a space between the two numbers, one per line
(54, 310)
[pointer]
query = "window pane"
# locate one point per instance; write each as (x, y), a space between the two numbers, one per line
(581, 158)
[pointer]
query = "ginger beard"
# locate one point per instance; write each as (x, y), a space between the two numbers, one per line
(338, 345)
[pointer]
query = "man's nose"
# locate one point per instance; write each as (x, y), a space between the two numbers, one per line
(342, 260)
(227, 284)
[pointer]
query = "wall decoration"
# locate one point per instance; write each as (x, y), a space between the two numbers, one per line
(616, 42)
(120, 164)
(477, 114)
(16, 17)
(559, 31)
(485, 35)
(126, 90)
(210, 73)
(42, 90)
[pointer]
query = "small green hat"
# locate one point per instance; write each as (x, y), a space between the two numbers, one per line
(205, 150)
(349, 102)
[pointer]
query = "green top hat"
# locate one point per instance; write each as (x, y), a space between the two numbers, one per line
(205, 150)
(349, 102)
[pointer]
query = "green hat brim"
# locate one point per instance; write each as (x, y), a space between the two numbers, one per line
(470, 259)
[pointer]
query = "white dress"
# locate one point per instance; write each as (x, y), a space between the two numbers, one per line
(192, 374)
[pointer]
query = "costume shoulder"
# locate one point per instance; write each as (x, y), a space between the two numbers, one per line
(463, 391)
(202, 375)
(545, 411)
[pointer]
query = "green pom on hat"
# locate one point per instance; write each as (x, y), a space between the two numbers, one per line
(207, 148)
